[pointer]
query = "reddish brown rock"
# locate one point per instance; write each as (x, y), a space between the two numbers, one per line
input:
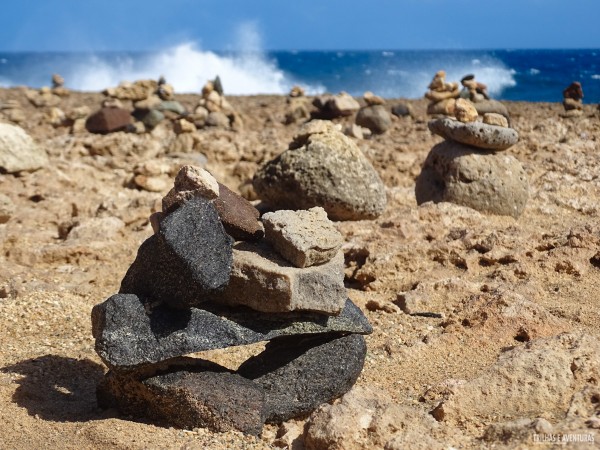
(108, 120)
(239, 217)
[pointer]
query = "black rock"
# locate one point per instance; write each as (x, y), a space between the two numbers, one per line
(299, 373)
(131, 333)
(197, 394)
(188, 259)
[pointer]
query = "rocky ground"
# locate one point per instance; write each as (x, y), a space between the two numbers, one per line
(485, 327)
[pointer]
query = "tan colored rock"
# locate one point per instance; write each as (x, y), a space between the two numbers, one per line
(372, 99)
(7, 208)
(437, 96)
(445, 107)
(150, 102)
(151, 183)
(18, 151)
(193, 178)
(305, 237)
(464, 111)
(263, 281)
(56, 117)
(296, 91)
(184, 126)
(495, 119)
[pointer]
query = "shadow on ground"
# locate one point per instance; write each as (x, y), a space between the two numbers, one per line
(58, 388)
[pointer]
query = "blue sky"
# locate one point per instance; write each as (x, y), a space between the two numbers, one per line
(97, 25)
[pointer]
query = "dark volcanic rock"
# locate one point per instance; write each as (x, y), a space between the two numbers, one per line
(238, 216)
(199, 394)
(300, 373)
(376, 118)
(108, 120)
(188, 259)
(128, 336)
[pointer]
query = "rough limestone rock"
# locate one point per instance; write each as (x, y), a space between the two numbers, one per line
(477, 134)
(192, 178)
(131, 332)
(322, 168)
(199, 394)
(305, 238)
(495, 119)
(263, 281)
(108, 120)
(340, 105)
(376, 118)
(18, 151)
(298, 374)
(465, 111)
(488, 182)
(364, 418)
(533, 380)
(7, 208)
(187, 261)
(239, 217)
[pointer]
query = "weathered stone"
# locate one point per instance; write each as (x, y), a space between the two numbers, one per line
(340, 105)
(7, 208)
(304, 238)
(151, 183)
(376, 118)
(188, 259)
(139, 90)
(239, 217)
(197, 179)
(149, 117)
(488, 182)
(130, 332)
(491, 106)
(477, 134)
(148, 103)
(172, 106)
(324, 169)
(296, 110)
(263, 281)
(438, 96)
(217, 119)
(184, 126)
(445, 107)
(464, 111)
(402, 110)
(108, 120)
(372, 99)
(18, 151)
(190, 395)
(299, 374)
(495, 119)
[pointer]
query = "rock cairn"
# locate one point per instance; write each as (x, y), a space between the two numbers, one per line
(477, 93)
(470, 168)
(214, 110)
(297, 106)
(441, 95)
(212, 277)
(334, 106)
(322, 167)
(573, 100)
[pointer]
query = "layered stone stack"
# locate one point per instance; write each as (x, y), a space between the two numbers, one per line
(441, 95)
(374, 115)
(212, 277)
(477, 93)
(322, 167)
(334, 106)
(214, 110)
(470, 167)
(297, 106)
(573, 100)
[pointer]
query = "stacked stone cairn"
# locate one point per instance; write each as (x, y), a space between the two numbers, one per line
(297, 106)
(214, 110)
(441, 95)
(322, 167)
(334, 106)
(215, 276)
(477, 93)
(470, 167)
(374, 116)
(573, 100)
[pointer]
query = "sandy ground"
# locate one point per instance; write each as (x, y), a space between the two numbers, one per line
(440, 258)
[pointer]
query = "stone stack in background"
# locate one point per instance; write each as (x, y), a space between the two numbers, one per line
(211, 277)
(470, 167)
(441, 95)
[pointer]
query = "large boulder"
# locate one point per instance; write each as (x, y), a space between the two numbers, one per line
(322, 167)
(486, 181)
(18, 151)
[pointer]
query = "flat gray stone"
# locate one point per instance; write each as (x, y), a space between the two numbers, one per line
(376, 118)
(477, 134)
(298, 374)
(196, 394)
(128, 336)
(305, 238)
(486, 181)
(263, 281)
(186, 261)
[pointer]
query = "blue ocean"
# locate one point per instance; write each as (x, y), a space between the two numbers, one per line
(527, 75)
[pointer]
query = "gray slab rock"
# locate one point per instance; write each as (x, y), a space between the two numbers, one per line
(322, 168)
(18, 151)
(376, 118)
(477, 134)
(263, 281)
(186, 261)
(199, 394)
(491, 106)
(131, 333)
(299, 374)
(489, 182)
(305, 237)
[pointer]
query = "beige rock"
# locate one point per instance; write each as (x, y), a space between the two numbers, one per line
(305, 237)
(342, 104)
(445, 107)
(151, 183)
(184, 126)
(96, 229)
(296, 91)
(364, 418)
(80, 112)
(437, 96)
(372, 99)
(464, 111)
(57, 81)
(7, 208)
(495, 119)
(56, 117)
(197, 179)
(150, 102)
(152, 168)
(263, 281)
(217, 119)
(18, 151)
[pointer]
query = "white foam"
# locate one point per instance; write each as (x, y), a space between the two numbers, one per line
(534, 71)
(595, 77)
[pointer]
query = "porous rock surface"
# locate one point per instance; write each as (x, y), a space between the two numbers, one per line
(476, 134)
